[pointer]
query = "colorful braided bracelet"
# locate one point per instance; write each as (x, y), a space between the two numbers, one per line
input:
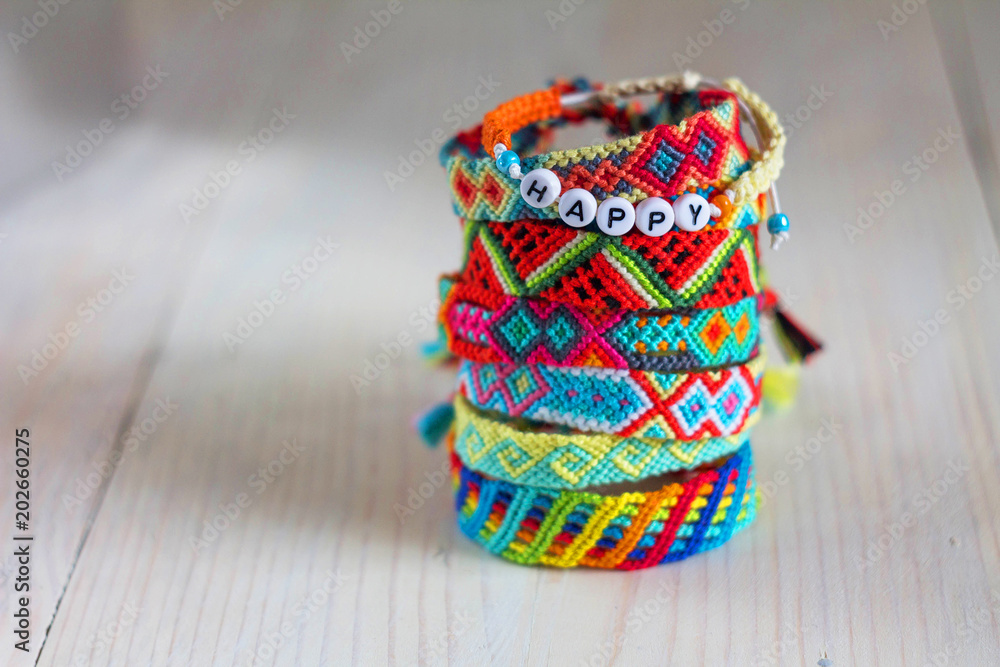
(612, 366)
(531, 525)
(594, 271)
(703, 154)
(523, 454)
(684, 406)
(485, 327)
(541, 187)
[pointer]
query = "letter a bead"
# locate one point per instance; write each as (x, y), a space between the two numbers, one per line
(615, 216)
(654, 216)
(577, 207)
(540, 187)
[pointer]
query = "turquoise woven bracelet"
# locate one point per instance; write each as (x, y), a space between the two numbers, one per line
(685, 406)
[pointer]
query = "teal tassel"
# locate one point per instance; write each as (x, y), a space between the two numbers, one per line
(433, 425)
(436, 352)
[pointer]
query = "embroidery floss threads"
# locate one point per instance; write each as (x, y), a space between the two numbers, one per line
(594, 271)
(526, 454)
(607, 318)
(684, 406)
(566, 528)
(487, 327)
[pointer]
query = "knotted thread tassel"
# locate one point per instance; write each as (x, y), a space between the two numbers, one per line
(433, 425)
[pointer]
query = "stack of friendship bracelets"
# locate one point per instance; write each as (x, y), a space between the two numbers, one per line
(606, 322)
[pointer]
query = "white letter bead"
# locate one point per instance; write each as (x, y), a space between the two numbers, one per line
(615, 216)
(654, 216)
(540, 187)
(691, 212)
(577, 207)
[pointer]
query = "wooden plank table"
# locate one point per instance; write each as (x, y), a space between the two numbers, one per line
(200, 501)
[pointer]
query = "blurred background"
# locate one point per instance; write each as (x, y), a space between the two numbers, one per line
(215, 215)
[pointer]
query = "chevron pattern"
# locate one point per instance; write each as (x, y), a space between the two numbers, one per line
(686, 406)
(517, 452)
(595, 271)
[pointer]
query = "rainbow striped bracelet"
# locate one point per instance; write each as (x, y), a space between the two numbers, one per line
(537, 526)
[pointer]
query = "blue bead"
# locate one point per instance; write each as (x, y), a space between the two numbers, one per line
(777, 223)
(506, 160)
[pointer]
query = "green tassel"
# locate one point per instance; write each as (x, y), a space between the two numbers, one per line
(781, 384)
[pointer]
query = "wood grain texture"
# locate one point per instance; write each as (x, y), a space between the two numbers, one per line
(310, 563)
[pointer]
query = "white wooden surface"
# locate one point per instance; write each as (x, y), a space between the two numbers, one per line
(115, 577)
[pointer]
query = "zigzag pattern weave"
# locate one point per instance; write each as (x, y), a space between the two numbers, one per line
(704, 152)
(685, 406)
(565, 528)
(487, 327)
(526, 455)
(595, 271)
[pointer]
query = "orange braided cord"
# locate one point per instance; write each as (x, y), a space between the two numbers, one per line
(511, 116)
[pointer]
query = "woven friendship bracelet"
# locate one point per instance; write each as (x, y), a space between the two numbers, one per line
(703, 153)
(486, 327)
(769, 133)
(517, 452)
(531, 525)
(541, 187)
(594, 271)
(685, 406)
(607, 319)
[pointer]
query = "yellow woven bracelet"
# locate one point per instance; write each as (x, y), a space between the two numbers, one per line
(515, 451)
